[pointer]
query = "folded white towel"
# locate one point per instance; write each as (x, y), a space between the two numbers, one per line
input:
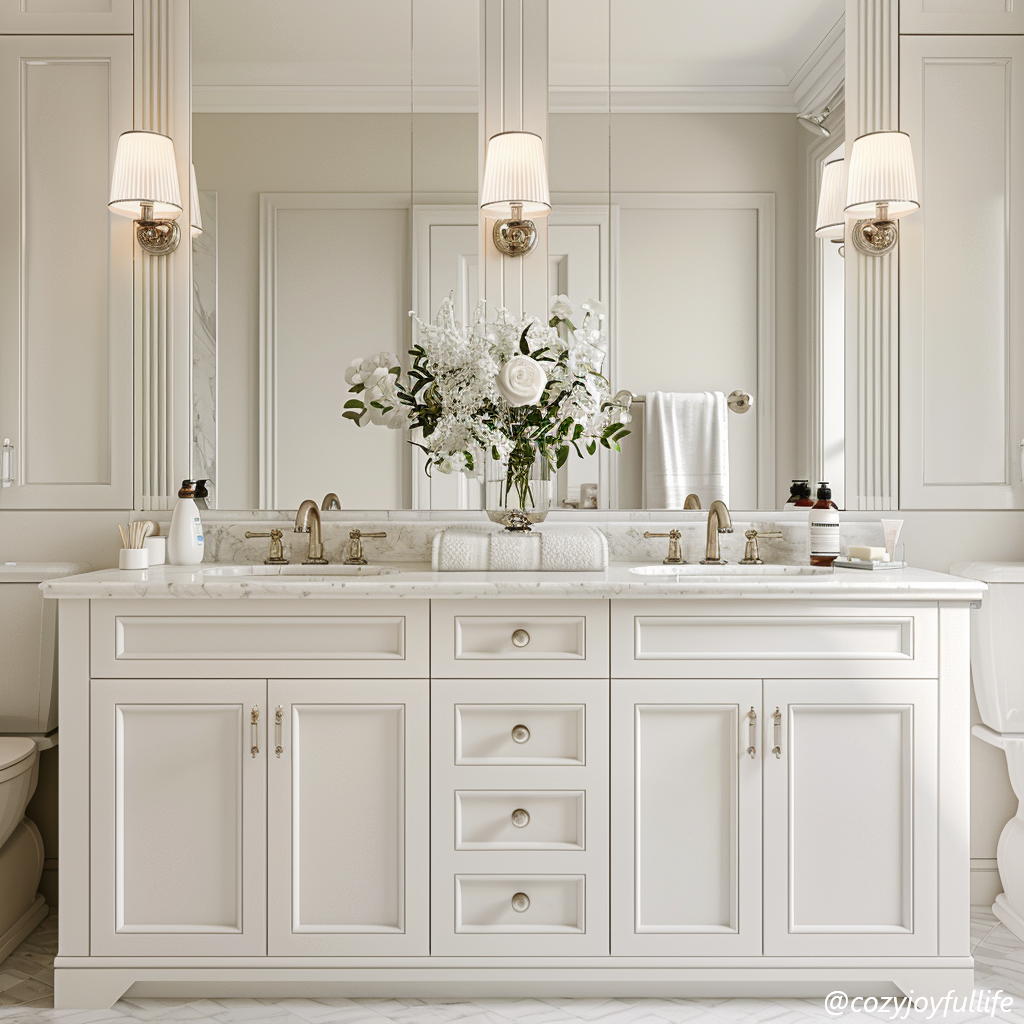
(686, 448)
(543, 549)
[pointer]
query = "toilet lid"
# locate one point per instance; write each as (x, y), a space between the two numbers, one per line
(14, 749)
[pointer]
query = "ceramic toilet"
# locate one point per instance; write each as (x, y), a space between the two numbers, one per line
(28, 724)
(997, 671)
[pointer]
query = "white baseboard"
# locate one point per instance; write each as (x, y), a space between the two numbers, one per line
(985, 884)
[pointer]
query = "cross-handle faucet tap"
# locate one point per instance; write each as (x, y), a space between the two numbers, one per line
(355, 546)
(307, 520)
(719, 521)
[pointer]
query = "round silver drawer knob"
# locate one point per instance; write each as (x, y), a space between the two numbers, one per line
(520, 733)
(520, 903)
(520, 817)
(520, 638)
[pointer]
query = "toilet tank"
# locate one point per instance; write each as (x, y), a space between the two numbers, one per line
(28, 646)
(997, 643)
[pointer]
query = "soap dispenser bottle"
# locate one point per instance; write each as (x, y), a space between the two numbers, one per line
(800, 494)
(823, 523)
(185, 540)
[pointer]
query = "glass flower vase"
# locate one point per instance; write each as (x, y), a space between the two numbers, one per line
(518, 487)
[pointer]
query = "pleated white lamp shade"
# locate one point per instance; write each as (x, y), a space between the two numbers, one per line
(515, 172)
(882, 171)
(145, 172)
(831, 221)
(193, 202)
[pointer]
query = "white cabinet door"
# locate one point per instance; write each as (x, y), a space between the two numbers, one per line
(975, 17)
(66, 345)
(349, 807)
(178, 818)
(71, 16)
(850, 854)
(686, 818)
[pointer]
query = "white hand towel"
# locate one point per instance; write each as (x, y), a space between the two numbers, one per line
(686, 448)
(544, 549)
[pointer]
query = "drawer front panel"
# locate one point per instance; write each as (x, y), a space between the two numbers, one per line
(667, 639)
(519, 820)
(520, 904)
(387, 638)
(500, 639)
(520, 734)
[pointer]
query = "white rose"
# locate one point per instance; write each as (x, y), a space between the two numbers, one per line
(521, 381)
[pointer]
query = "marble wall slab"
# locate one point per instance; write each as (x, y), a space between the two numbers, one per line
(204, 347)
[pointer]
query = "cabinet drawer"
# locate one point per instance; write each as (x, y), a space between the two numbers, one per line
(518, 904)
(519, 820)
(171, 638)
(520, 638)
(520, 734)
(843, 640)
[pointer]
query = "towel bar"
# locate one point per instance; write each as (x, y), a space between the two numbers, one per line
(738, 401)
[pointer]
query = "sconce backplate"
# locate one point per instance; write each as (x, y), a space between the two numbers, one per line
(875, 237)
(158, 238)
(515, 237)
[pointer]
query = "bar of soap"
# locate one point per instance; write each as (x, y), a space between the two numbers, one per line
(866, 554)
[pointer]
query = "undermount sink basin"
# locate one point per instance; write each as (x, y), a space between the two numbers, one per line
(304, 571)
(734, 569)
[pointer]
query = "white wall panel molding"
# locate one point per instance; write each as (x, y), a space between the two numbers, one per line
(163, 286)
(71, 17)
(872, 282)
(962, 375)
(513, 97)
(961, 17)
(65, 309)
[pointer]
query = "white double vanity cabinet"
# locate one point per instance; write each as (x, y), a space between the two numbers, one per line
(401, 786)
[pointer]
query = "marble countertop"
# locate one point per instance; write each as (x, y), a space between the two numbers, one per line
(416, 580)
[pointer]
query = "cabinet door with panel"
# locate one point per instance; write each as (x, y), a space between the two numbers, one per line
(850, 789)
(178, 817)
(349, 806)
(686, 817)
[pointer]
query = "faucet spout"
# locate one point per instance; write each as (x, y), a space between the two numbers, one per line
(307, 520)
(719, 521)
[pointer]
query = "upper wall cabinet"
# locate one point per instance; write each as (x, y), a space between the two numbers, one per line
(970, 17)
(45, 17)
(65, 273)
(962, 298)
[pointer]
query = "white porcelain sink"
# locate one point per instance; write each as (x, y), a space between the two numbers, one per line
(304, 571)
(733, 569)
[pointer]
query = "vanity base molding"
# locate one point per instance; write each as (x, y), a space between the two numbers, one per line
(93, 987)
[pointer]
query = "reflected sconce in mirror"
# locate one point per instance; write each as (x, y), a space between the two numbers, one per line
(831, 220)
(193, 203)
(145, 188)
(881, 188)
(515, 188)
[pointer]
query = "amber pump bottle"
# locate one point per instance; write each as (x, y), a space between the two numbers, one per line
(823, 524)
(800, 494)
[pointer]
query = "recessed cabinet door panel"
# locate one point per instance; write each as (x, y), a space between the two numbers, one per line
(178, 818)
(850, 818)
(349, 818)
(686, 835)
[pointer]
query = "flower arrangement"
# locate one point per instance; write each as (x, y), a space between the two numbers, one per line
(511, 388)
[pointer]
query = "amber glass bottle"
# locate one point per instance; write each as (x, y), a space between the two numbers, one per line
(823, 524)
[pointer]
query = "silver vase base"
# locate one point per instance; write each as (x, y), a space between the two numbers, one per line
(515, 520)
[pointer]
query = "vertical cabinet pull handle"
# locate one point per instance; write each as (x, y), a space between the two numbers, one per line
(752, 748)
(278, 719)
(254, 731)
(777, 724)
(7, 463)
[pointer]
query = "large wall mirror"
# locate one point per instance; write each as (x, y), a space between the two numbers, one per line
(336, 151)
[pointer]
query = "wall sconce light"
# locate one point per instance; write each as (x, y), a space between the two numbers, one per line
(193, 203)
(831, 220)
(145, 188)
(515, 187)
(881, 182)
(816, 122)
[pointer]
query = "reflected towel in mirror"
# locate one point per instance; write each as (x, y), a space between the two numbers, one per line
(686, 448)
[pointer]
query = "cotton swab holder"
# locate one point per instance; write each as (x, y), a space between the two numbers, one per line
(133, 558)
